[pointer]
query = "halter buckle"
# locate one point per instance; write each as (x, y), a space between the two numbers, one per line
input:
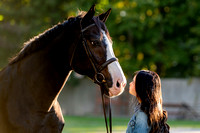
(100, 78)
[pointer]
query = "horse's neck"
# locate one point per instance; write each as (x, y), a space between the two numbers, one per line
(40, 76)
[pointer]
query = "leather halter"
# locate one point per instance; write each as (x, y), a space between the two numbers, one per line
(99, 78)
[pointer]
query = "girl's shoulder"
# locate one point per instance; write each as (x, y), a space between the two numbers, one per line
(138, 123)
(139, 115)
(141, 118)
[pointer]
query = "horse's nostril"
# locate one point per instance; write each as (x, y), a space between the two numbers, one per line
(118, 85)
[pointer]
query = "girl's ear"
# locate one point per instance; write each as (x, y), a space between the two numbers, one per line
(88, 17)
(104, 16)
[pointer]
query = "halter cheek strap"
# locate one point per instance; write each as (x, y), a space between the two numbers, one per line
(82, 30)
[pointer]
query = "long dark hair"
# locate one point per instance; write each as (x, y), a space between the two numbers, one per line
(148, 90)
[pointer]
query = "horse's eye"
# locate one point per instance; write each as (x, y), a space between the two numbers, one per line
(95, 43)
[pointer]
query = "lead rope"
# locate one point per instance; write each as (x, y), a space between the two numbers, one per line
(110, 116)
(104, 111)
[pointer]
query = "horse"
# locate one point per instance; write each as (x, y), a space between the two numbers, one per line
(32, 81)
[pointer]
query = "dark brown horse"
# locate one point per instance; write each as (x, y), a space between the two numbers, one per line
(30, 84)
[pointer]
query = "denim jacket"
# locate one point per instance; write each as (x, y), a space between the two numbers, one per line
(138, 122)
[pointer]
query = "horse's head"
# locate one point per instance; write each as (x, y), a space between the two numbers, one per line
(94, 54)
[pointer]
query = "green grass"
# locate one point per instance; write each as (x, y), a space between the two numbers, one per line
(184, 123)
(80, 124)
(76, 124)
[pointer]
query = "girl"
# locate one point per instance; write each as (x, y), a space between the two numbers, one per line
(148, 116)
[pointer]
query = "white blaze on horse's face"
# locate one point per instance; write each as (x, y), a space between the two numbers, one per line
(119, 80)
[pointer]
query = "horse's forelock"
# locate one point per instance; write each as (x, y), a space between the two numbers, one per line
(101, 25)
(97, 21)
(81, 14)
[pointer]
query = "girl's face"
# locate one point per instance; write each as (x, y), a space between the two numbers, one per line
(132, 87)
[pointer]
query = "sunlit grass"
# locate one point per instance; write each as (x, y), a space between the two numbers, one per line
(76, 124)
(185, 123)
(85, 124)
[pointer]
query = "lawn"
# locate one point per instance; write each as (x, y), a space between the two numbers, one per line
(77, 124)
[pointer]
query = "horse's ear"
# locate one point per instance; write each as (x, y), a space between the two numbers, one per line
(89, 15)
(104, 16)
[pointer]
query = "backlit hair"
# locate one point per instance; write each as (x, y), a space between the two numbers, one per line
(148, 92)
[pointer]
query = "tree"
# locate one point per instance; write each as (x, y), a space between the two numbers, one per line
(162, 36)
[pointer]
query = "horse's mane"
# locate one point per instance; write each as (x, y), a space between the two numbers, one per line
(42, 40)
(36, 43)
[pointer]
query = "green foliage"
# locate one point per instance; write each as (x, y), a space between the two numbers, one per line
(162, 36)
